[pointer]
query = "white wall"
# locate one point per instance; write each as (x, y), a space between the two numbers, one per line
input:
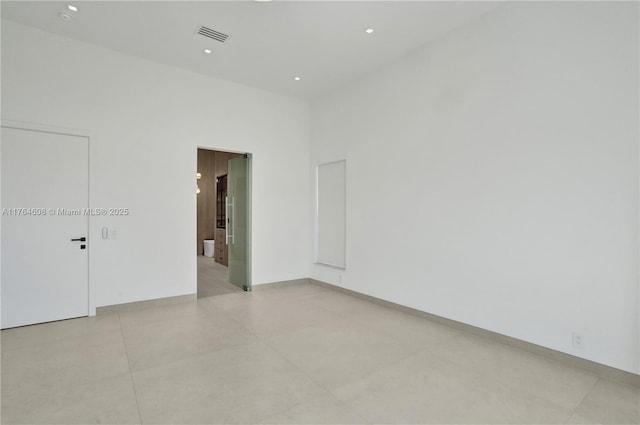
(492, 177)
(146, 121)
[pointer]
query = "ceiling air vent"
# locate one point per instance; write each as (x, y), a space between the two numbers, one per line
(208, 32)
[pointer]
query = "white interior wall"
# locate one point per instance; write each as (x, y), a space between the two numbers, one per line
(146, 121)
(513, 141)
(493, 177)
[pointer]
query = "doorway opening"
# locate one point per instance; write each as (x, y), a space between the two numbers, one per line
(223, 234)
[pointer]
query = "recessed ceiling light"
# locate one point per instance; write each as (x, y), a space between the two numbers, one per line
(263, 1)
(296, 78)
(207, 51)
(369, 30)
(72, 7)
(65, 16)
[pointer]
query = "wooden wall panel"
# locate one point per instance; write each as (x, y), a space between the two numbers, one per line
(206, 215)
(211, 164)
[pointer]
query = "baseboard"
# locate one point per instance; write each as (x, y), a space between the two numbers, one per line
(159, 302)
(597, 369)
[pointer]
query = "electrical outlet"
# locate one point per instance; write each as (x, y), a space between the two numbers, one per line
(577, 340)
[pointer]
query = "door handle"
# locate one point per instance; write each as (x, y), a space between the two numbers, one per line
(83, 239)
(229, 230)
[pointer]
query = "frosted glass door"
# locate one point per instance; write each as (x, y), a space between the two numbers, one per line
(238, 221)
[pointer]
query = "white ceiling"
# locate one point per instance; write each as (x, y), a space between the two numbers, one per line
(323, 42)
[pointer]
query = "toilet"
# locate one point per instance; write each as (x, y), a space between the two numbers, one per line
(209, 247)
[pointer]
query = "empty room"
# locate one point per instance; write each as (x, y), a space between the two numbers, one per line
(403, 212)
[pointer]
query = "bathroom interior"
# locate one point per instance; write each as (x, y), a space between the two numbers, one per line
(211, 248)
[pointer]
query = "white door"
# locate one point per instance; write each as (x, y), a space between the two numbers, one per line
(44, 179)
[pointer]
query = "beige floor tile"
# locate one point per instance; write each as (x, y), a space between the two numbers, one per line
(298, 353)
(272, 316)
(405, 328)
(243, 384)
(107, 401)
(335, 352)
(577, 419)
(609, 403)
(517, 370)
(213, 278)
(233, 304)
(166, 341)
(339, 302)
(499, 404)
(427, 388)
(29, 336)
(419, 389)
(132, 319)
(320, 410)
(64, 363)
(213, 289)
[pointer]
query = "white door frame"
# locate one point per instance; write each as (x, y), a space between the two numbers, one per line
(44, 128)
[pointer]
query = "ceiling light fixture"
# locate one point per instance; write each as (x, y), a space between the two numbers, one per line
(369, 30)
(207, 51)
(296, 78)
(263, 1)
(65, 16)
(72, 7)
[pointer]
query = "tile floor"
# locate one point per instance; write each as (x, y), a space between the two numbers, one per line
(297, 354)
(213, 278)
